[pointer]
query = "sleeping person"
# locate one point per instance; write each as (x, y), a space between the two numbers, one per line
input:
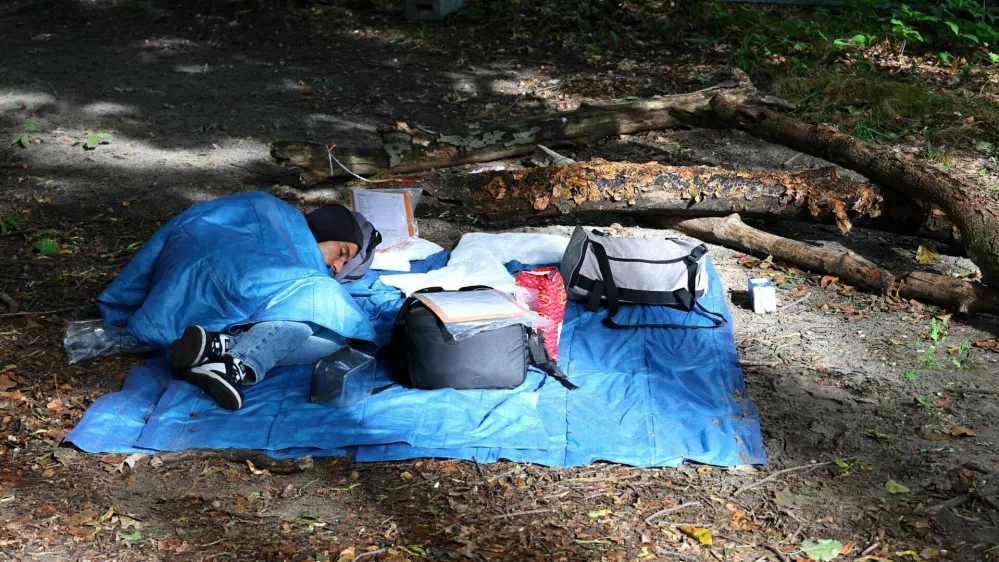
(237, 286)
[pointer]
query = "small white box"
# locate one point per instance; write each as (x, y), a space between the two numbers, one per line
(762, 296)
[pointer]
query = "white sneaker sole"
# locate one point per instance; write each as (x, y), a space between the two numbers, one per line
(226, 395)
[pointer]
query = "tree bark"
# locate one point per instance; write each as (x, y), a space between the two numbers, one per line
(962, 297)
(597, 185)
(731, 232)
(408, 149)
(973, 212)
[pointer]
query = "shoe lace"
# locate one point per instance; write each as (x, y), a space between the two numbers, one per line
(238, 369)
(219, 344)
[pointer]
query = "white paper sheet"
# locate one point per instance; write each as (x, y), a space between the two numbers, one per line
(388, 210)
(471, 305)
(483, 270)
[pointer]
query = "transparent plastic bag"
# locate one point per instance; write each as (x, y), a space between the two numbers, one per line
(528, 297)
(414, 199)
(414, 196)
(475, 309)
(461, 331)
(86, 339)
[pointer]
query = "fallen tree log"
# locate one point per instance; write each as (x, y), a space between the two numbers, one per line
(973, 212)
(597, 185)
(731, 232)
(407, 149)
(960, 296)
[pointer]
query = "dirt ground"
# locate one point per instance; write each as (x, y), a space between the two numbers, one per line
(852, 389)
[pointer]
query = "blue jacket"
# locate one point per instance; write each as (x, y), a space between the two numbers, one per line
(241, 259)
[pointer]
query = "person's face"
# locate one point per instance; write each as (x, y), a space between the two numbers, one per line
(337, 253)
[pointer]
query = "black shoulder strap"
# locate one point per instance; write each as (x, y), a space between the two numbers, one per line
(541, 360)
(607, 288)
(477, 288)
(717, 321)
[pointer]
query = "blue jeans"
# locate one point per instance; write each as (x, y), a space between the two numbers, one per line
(278, 344)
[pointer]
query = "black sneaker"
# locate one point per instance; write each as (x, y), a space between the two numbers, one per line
(222, 380)
(198, 346)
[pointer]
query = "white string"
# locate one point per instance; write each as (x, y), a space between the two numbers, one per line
(333, 159)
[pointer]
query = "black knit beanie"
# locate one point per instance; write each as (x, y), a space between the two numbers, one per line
(335, 222)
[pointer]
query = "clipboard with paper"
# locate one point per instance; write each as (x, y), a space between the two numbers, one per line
(390, 211)
(454, 307)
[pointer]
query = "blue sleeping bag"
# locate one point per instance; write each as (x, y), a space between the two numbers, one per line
(241, 259)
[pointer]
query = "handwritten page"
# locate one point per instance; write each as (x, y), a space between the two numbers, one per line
(465, 306)
(389, 211)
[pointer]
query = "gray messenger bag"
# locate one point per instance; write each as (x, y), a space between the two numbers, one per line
(668, 272)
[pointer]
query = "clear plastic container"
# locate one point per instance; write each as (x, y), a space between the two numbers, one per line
(343, 378)
(86, 339)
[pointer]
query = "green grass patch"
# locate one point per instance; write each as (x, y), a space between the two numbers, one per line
(885, 100)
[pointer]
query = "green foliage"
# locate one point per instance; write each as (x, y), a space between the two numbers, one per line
(92, 139)
(47, 247)
(904, 31)
(22, 139)
(821, 93)
(953, 28)
(938, 330)
(961, 355)
(963, 25)
(893, 487)
(926, 253)
(822, 551)
(928, 359)
(870, 125)
(937, 334)
(8, 224)
(412, 550)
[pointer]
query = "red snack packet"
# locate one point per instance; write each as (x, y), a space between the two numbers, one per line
(547, 281)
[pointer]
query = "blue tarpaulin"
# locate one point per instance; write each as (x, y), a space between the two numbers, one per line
(647, 397)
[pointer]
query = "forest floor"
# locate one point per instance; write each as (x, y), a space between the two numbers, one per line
(854, 390)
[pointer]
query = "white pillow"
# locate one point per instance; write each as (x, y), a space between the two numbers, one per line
(398, 257)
